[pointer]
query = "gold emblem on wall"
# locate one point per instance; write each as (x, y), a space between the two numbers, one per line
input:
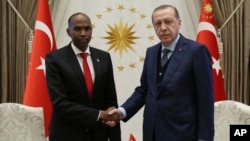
(126, 32)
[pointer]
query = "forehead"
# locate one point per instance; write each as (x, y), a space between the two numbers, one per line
(80, 19)
(166, 13)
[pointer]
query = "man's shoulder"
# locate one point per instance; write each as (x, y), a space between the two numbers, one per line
(60, 50)
(97, 50)
(154, 48)
(189, 41)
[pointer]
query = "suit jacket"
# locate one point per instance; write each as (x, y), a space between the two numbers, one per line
(181, 107)
(74, 115)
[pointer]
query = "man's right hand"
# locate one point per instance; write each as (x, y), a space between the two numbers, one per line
(111, 116)
(116, 114)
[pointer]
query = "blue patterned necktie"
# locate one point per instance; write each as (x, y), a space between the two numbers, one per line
(164, 57)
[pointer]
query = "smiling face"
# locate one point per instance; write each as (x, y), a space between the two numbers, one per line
(167, 24)
(80, 30)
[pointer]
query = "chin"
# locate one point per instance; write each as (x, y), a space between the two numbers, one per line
(166, 42)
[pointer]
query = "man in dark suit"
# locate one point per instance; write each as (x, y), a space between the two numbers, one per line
(178, 94)
(79, 115)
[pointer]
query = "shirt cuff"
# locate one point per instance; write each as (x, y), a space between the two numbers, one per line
(98, 116)
(124, 113)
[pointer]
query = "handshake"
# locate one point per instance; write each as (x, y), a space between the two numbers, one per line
(111, 116)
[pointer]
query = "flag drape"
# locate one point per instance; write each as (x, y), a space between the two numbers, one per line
(207, 35)
(132, 138)
(36, 93)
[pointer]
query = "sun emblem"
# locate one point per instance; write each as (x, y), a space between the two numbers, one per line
(208, 11)
(126, 33)
(121, 37)
(208, 8)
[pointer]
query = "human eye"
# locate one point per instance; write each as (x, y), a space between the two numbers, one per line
(87, 28)
(77, 28)
(157, 24)
(169, 22)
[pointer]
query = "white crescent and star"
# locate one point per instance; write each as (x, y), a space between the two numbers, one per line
(43, 27)
(206, 26)
(209, 27)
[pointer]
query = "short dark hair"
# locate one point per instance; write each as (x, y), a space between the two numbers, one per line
(177, 16)
(75, 14)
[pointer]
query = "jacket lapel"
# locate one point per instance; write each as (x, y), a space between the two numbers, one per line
(73, 62)
(76, 68)
(175, 61)
(97, 64)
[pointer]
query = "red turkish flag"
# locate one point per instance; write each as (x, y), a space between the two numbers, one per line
(36, 93)
(132, 138)
(207, 35)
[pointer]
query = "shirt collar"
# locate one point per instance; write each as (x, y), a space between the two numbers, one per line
(172, 46)
(77, 51)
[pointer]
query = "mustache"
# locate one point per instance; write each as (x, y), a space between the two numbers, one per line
(165, 33)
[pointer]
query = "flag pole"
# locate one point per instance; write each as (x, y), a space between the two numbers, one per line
(30, 41)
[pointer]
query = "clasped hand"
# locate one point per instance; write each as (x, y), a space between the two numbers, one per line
(111, 116)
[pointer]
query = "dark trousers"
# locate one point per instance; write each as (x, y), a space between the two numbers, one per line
(153, 139)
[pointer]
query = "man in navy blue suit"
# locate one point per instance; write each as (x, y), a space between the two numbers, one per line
(178, 94)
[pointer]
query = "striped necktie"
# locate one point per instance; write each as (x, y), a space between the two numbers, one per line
(164, 57)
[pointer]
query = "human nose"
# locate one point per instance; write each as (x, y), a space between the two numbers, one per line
(83, 32)
(164, 26)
